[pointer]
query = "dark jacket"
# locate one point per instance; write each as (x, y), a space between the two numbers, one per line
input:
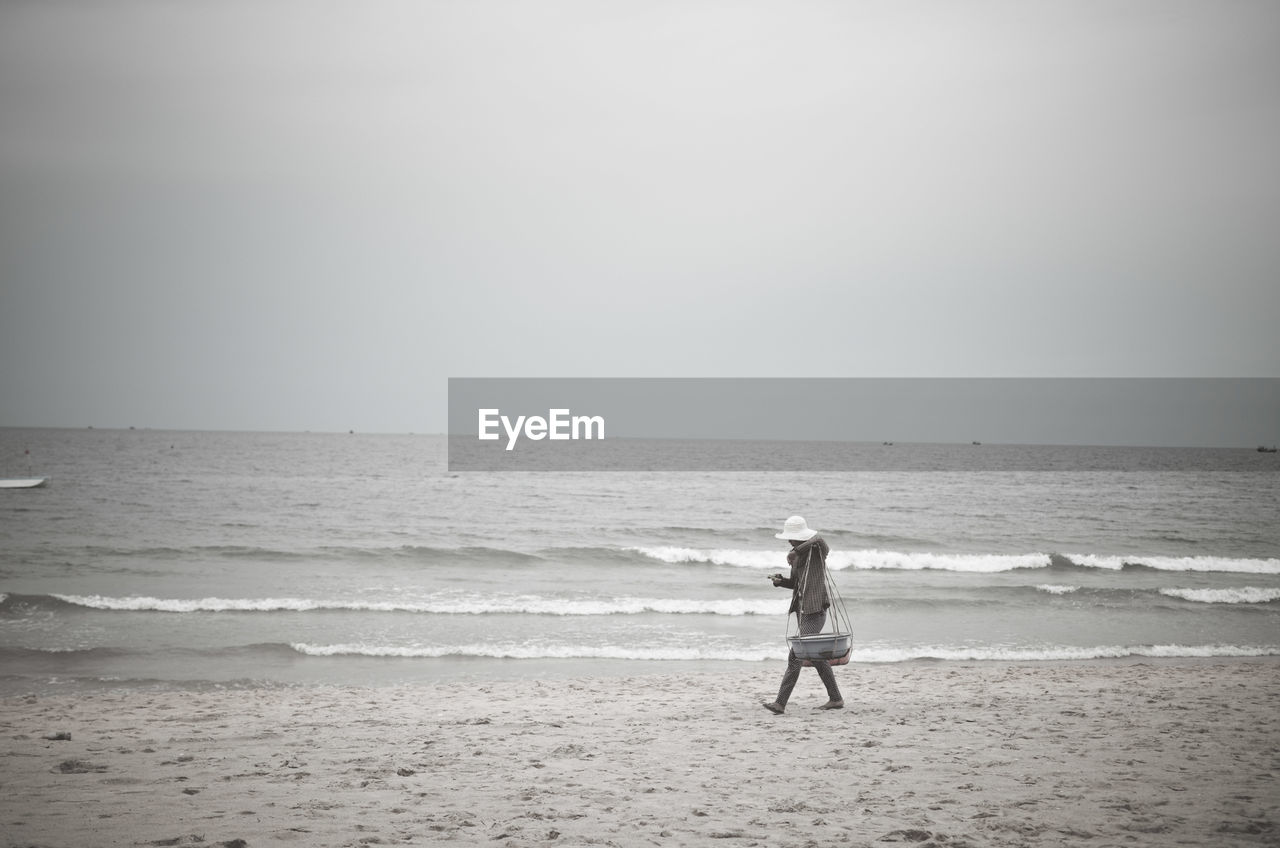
(808, 580)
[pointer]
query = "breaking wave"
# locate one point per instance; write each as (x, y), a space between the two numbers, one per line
(841, 560)
(973, 563)
(774, 651)
(1240, 595)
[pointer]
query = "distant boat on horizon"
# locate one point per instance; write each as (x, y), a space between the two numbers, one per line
(1265, 449)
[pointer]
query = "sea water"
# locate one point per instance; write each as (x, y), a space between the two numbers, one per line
(205, 558)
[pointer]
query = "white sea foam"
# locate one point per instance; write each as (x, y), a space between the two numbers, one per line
(1239, 595)
(1166, 563)
(1053, 589)
(975, 563)
(148, 604)
(857, 559)
(1109, 563)
(777, 651)
(872, 559)
(718, 556)
(535, 652)
(1058, 652)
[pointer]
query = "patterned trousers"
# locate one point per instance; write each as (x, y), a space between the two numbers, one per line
(810, 625)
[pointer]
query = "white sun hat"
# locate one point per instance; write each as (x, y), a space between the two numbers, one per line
(795, 529)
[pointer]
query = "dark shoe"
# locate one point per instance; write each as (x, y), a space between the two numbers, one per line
(832, 705)
(775, 708)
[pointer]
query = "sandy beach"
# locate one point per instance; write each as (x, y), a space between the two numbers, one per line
(1109, 753)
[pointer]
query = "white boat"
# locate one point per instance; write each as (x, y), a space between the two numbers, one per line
(22, 482)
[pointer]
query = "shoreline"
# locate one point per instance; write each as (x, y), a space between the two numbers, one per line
(1143, 751)
(375, 672)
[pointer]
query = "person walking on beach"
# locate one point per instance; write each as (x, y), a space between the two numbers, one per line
(809, 602)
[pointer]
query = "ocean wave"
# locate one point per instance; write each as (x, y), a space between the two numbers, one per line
(973, 563)
(475, 604)
(169, 553)
(70, 656)
(540, 652)
(186, 605)
(868, 560)
(1238, 595)
(982, 563)
(718, 556)
(11, 603)
(510, 605)
(775, 651)
(1166, 563)
(1058, 653)
(64, 653)
(771, 651)
(413, 556)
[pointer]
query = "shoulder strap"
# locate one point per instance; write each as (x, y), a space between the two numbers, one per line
(807, 560)
(804, 582)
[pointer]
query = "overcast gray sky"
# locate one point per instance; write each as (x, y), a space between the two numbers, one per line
(277, 214)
